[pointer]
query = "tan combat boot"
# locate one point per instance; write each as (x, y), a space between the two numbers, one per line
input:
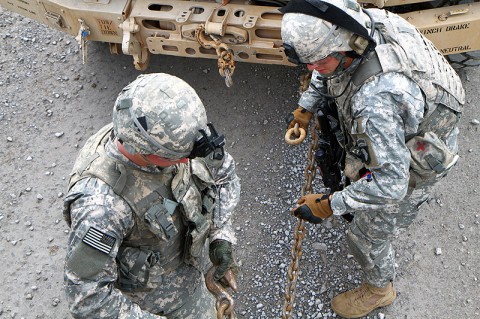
(360, 301)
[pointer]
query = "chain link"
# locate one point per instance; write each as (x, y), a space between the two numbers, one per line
(300, 231)
(305, 81)
(224, 301)
(226, 62)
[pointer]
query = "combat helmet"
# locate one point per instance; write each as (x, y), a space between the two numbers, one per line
(159, 114)
(314, 29)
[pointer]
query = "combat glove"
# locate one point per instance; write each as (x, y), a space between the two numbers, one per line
(300, 116)
(313, 208)
(221, 255)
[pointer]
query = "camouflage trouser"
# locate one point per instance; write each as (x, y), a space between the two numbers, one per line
(201, 305)
(370, 235)
(180, 294)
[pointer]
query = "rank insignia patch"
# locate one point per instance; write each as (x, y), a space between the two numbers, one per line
(99, 240)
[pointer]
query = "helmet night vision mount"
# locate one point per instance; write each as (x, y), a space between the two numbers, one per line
(208, 144)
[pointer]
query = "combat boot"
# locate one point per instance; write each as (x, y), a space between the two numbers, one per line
(360, 301)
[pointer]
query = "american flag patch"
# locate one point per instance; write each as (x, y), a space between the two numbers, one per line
(99, 240)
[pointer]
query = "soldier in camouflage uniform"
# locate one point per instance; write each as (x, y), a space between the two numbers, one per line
(398, 104)
(149, 197)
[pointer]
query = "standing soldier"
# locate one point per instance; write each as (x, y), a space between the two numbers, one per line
(398, 103)
(148, 196)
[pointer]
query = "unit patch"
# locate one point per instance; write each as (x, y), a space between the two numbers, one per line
(99, 240)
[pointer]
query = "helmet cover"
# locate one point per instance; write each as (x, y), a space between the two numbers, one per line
(159, 114)
(313, 38)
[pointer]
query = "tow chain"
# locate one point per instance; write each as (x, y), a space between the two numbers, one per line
(300, 231)
(226, 62)
(224, 301)
(305, 81)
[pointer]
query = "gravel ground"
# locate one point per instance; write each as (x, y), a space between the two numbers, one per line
(50, 103)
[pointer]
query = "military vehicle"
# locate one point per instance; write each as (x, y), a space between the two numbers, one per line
(231, 30)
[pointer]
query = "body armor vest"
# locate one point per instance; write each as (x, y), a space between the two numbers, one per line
(427, 67)
(440, 84)
(438, 81)
(172, 209)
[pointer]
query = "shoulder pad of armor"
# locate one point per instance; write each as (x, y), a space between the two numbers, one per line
(200, 169)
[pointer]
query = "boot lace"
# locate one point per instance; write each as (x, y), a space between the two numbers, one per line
(361, 294)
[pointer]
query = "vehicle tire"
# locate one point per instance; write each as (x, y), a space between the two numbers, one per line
(464, 60)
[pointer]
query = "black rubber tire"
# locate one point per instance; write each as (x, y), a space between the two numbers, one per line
(464, 60)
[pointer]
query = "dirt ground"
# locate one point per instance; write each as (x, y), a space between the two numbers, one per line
(50, 103)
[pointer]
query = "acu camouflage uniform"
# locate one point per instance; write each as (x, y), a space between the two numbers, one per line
(399, 114)
(137, 247)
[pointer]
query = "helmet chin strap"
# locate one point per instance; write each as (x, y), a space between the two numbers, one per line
(340, 70)
(342, 58)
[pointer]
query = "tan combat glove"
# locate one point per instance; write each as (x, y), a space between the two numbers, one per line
(300, 116)
(313, 208)
(297, 122)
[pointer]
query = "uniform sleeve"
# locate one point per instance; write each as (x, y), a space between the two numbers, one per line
(228, 195)
(390, 108)
(99, 222)
(309, 99)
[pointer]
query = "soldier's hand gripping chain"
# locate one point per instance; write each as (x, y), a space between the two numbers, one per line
(298, 122)
(221, 255)
(301, 117)
(314, 208)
